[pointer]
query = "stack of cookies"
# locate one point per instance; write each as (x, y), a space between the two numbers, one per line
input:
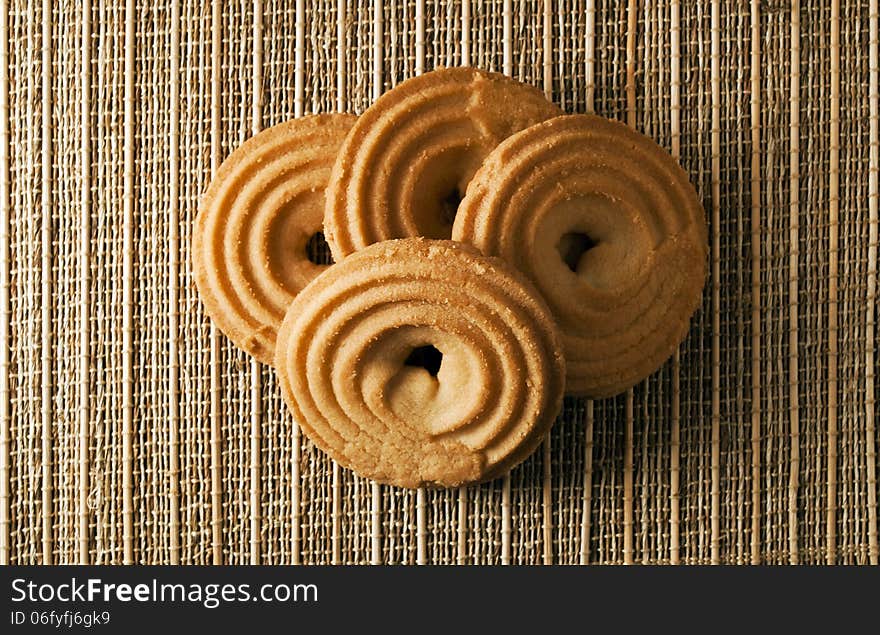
(491, 255)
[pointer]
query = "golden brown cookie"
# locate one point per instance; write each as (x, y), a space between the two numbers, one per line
(253, 229)
(406, 163)
(421, 362)
(610, 230)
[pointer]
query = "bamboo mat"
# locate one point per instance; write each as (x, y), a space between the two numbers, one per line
(133, 432)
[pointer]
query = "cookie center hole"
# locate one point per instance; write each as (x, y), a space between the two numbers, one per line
(572, 248)
(449, 206)
(426, 357)
(317, 249)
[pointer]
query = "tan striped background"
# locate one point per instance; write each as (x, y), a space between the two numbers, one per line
(132, 431)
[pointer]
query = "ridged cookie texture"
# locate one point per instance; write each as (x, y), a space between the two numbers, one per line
(421, 362)
(407, 161)
(264, 205)
(610, 230)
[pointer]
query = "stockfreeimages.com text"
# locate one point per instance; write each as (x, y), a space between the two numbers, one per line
(208, 595)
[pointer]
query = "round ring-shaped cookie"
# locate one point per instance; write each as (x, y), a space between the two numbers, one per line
(406, 163)
(262, 212)
(610, 230)
(421, 362)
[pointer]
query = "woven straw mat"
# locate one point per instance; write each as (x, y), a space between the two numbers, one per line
(134, 432)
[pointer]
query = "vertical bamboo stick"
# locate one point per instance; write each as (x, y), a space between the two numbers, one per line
(590, 57)
(174, 283)
(716, 283)
(870, 370)
(46, 281)
(84, 395)
(5, 395)
(756, 275)
(833, 248)
(793, 254)
(128, 291)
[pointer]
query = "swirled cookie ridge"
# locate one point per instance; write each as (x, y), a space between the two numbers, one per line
(261, 210)
(610, 230)
(421, 362)
(407, 162)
